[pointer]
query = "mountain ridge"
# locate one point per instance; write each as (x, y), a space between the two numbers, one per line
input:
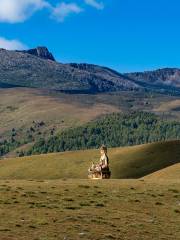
(37, 68)
(165, 75)
(26, 70)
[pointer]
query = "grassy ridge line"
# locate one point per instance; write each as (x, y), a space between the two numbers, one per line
(128, 162)
(172, 172)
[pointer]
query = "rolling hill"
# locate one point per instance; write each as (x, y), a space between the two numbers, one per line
(113, 130)
(169, 173)
(128, 162)
(22, 109)
(19, 107)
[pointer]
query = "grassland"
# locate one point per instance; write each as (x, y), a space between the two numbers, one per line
(127, 162)
(39, 200)
(19, 107)
(171, 107)
(172, 172)
(91, 210)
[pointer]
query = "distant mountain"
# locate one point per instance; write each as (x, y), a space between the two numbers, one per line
(37, 68)
(169, 77)
(24, 69)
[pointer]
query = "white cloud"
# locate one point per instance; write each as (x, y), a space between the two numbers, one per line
(95, 4)
(11, 44)
(63, 10)
(16, 11)
(13, 11)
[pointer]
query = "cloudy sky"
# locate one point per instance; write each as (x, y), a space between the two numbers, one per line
(126, 35)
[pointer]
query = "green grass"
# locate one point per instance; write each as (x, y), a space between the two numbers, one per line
(40, 208)
(84, 209)
(128, 162)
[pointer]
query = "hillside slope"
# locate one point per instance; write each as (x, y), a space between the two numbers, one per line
(172, 172)
(114, 130)
(166, 76)
(128, 162)
(19, 107)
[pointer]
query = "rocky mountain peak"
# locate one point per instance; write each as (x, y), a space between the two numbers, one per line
(41, 52)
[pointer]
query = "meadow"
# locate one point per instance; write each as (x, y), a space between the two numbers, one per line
(48, 197)
(126, 162)
(92, 210)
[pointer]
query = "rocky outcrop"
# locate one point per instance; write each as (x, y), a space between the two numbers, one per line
(41, 52)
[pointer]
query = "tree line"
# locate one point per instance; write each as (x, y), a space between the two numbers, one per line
(114, 130)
